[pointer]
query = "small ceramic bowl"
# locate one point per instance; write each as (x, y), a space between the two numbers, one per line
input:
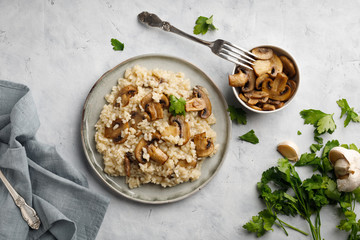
(279, 52)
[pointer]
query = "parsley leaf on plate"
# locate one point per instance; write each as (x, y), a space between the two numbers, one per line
(117, 45)
(203, 24)
(250, 137)
(177, 105)
(237, 114)
(351, 115)
(323, 122)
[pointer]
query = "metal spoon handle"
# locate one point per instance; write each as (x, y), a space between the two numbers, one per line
(27, 212)
(153, 20)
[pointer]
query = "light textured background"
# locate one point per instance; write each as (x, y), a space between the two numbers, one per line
(60, 48)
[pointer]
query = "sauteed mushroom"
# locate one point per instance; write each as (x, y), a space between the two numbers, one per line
(203, 145)
(114, 132)
(126, 93)
(199, 92)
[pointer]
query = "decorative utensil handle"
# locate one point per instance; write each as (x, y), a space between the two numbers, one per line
(27, 212)
(153, 20)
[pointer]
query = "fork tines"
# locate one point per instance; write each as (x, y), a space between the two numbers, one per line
(237, 55)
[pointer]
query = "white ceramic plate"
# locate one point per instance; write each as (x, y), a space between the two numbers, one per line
(151, 193)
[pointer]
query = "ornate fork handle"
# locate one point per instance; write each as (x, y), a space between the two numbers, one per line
(27, 212)
(153, 20)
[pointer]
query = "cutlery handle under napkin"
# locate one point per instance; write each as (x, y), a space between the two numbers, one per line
(27, 212)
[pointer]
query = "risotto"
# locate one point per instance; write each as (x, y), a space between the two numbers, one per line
(141, 138)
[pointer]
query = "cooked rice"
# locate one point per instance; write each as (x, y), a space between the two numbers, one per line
(171, 172)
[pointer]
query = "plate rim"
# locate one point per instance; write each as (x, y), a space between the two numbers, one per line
(222, 100)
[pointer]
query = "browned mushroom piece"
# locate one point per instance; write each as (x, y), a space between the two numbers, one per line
(156, 136)
(203, 145)
(242, 97)
(263, 53)
(139, 151)
(156, 154)
(268, 107)
(199, 92)
(277, 88)
(259, 80)
(238, 79)
(164, 101)
(289, 68)
(256, 94)
(250, 85)
(146, 100)
(183, 126)
(195, 104)
(126, 93)
(185, 164)
(136, 118)
(127, 165)
(114, 132)
(276, 66)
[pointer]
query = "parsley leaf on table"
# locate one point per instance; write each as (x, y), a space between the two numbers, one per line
(177, 106)
(203, 24)
(351, 115)
(237, 114)
(323, 122)
(250, 137)
(117, 45)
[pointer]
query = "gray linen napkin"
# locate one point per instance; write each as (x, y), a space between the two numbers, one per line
(57, 191)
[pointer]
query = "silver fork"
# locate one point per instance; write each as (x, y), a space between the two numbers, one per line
(220, 47)
(27, 212)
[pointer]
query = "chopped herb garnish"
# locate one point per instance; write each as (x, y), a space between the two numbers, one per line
(203, 24)
(250, 137)
(351, 115)
(237, 114)
(177, 105)
(117, 45)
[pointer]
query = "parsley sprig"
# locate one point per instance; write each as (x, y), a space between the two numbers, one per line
(203, 24)
(351, 115)
(177, 105)
(117, 45)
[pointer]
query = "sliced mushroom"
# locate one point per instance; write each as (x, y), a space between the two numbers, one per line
(242, 97)
(276, 66)
(185, 164)
(277, 88)
(184, 127)
(238, 79)
(137, 116)
(292, 85)
(114, 132)
(259, 80)
(157, 154)
(199, 92)
(195, 104)
(252, 101)
(154, 110)
(250, 85)
(289, 68)
(139, 151)
(263, 53)
(262, 67)
(256, 94)
(146, 100)
(203, 145)
(268, 107)
(126, 93)
(164, 101)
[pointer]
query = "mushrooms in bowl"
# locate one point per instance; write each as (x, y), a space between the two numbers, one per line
(270, 85)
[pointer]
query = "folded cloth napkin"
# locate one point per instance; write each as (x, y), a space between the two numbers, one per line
(57, 191)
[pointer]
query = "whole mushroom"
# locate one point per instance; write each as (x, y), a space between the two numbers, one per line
(346, 167)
